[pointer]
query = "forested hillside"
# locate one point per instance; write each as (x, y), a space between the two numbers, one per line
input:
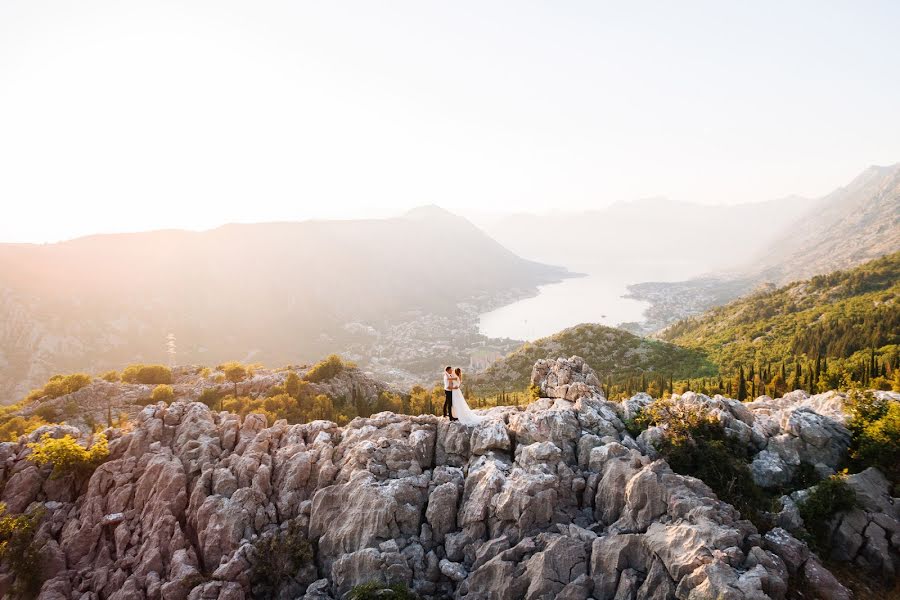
(831, 331)
(616, 354)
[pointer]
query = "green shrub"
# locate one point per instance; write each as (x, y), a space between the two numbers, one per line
(829, 497)
(111, 376)
(637, 424)
(274, 408)
(875, 425)
(162, 393)
(805, 477)
(234, 372)
(210, 397)
(376, 590)
(18, 552)
(68, 456)
(326, 369)
(292, 384)
(149, 374)
(70, 409)
(277, 558)
(275, 390)
(59, 385)
(13, 427)
(694, 443)
(47, 413)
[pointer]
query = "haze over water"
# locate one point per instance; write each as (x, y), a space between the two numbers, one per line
(594, 298)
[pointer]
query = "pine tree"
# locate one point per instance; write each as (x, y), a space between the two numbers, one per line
(742, 386)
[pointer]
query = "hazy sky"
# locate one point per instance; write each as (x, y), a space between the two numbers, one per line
(127, 115)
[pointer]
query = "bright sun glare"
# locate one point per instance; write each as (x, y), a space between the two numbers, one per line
(129, 116)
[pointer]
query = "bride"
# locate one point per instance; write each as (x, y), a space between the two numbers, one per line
(460, 407)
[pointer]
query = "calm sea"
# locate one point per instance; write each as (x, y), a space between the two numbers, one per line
(594, 298)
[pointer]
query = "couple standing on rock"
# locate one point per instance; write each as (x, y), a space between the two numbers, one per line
(455, 405)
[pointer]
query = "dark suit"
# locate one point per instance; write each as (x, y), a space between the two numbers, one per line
(448, 403)
(448, 397)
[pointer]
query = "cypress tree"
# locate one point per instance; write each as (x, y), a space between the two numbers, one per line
(742, 386)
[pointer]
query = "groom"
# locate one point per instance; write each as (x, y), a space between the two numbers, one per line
(448, 393)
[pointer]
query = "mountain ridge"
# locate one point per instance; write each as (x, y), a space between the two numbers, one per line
(853, 224)
(272, 292)
(554, 499)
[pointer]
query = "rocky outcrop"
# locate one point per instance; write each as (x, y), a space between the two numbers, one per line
(798, 429)
(101, 399)
(553, 500)
(782, 434)
(869, 534)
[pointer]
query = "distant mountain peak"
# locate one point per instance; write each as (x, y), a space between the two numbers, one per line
(430, 211)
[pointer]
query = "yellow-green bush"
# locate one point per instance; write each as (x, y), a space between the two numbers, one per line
(322, 408)
(18, 552)
(829, 497)
(149, 374)
(875, 425)
(234, 372)
(277, 558)
(376, 590)
(59, 385)
(274, 408)
(292, 384)
(694, 443)
(67, 456)
(111, 376)
(326, 369)
(13, 427)
(162, 393)
(48, 413)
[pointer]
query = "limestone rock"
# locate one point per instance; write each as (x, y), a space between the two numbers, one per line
(569, 379)
(551, 500)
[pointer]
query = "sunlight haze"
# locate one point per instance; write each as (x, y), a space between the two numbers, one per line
(126, 116)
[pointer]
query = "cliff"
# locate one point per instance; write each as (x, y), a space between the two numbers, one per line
(554, 500)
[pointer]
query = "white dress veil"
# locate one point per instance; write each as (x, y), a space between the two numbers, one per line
(462, 411)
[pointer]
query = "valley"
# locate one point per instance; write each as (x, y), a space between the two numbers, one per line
(658, 246)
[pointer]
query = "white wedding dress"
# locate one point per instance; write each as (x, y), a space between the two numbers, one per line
(462, 411)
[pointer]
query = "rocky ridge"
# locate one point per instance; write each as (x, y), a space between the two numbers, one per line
(95, 399)
(554, 500)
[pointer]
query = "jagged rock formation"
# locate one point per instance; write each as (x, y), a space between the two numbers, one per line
(797, 428)
(96, 399)
(554, 500)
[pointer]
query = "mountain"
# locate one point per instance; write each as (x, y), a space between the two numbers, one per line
(615, 353)
(849, 226)
(853, 224)
(272, 292)
(843, 317)
(553, 500)
(649, 229)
